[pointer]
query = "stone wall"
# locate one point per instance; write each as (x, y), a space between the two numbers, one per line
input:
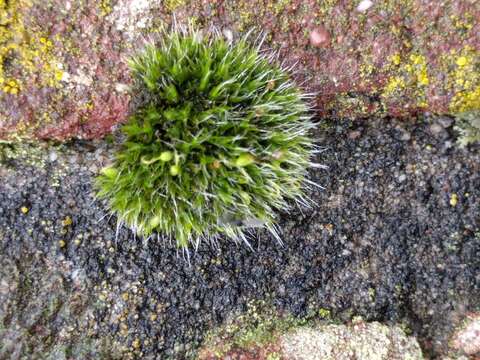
(63, 71)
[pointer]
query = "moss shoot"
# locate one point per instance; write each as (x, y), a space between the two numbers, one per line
(220, 139)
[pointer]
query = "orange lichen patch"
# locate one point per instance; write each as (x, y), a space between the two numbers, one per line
(24, 54)
(463, 79)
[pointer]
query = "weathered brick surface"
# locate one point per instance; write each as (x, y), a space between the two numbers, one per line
(63, 72)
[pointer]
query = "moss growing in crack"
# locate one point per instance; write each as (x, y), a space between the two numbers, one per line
(261, 325)
(468, 126)
(221, 137)
(28, 153)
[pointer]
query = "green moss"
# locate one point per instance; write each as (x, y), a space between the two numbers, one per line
(221, 138)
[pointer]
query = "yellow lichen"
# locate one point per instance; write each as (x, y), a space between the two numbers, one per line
(419, 69)
(454, 200)
(105, 7)
(395, 59)
(245, 18)
(325, 8)
(462, 61)
(278, 6)
(466, 23)
(172, 5)
(394, 84)
(463, 79)
(245, 15)
(67, 221)
(367, 69)
(411, 74)
(24, 52)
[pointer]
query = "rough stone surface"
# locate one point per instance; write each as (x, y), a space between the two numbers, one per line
(395, 237)
(63, 72)
(361, 341)
(467, 339)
